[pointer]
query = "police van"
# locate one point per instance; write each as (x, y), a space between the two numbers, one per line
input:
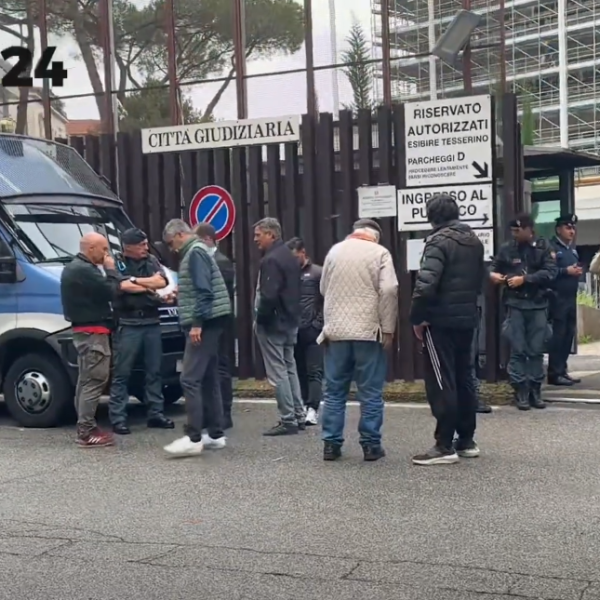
(49, 198)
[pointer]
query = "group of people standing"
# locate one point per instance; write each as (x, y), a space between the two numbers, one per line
(320, 328)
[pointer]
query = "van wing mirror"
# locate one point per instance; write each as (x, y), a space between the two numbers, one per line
(8, 269)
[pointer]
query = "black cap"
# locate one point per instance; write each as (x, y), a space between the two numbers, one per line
(367, 223)
(522, 221)
(566, 220)
(133, 236)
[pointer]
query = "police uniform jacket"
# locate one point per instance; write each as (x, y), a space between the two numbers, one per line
(566, 286)
(533, 260)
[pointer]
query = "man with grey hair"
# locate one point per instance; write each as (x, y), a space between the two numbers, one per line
(204, 309)
(277, 310)
(360, 291)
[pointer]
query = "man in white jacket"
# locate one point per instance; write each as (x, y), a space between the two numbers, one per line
(360, 292)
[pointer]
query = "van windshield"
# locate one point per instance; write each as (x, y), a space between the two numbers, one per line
(52, 232)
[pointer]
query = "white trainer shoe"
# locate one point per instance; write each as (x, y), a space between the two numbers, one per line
(311, 417)
(184, 447)
(211, 444)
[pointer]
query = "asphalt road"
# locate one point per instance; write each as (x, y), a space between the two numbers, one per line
(267, 519)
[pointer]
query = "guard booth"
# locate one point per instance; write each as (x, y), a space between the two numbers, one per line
(546, 188)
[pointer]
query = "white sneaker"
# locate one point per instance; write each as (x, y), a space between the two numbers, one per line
(184, 447)
(312, 417)
(217, 444)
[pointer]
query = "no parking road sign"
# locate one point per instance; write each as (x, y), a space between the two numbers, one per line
(213, 204)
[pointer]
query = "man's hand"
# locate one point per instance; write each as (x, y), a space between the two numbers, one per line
(420, 330)
(574, 270)
(497, 278)
(109, 262)
(388, 339)
(195, 335)
(516, 281)
(132, 288)
(168, 299)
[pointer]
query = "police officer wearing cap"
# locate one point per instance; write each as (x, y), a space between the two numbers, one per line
(138, 332)
(525, 269)
(563, 305)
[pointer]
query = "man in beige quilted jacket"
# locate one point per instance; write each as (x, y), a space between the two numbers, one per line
(360, 292)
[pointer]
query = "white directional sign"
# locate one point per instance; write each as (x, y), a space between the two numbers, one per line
(449, 141)
(475, 205)
(487, 239)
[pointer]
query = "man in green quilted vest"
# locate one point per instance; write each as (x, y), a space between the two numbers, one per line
(204, 310)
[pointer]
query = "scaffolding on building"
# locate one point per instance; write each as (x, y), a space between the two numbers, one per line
(533, 35)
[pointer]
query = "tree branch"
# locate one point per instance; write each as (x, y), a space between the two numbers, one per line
(207, 114)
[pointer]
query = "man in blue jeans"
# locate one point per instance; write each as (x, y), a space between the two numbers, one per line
(360, 291)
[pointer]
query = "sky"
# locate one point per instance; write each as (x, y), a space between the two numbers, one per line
(267, 96)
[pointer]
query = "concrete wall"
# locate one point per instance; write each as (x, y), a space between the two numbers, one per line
(588, 322)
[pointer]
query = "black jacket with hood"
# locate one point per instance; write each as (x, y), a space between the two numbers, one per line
(450, 278)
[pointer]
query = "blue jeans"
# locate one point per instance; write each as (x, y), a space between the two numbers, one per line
(365, 362)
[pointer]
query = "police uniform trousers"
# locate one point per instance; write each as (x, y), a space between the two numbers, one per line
(564, 326)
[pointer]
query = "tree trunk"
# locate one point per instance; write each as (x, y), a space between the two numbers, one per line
(21, 125)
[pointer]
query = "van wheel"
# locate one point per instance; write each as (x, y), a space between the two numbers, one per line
(172, 393)
(38, 392)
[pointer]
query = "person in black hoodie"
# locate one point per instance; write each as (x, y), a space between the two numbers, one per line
(444, 317)
(277, 309)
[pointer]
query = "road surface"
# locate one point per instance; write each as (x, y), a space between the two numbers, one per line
(267, 519)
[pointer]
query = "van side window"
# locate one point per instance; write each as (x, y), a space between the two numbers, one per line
(5, 249)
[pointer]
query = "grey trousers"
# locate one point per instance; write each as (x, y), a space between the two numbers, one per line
(277, 350)
(201, 386)
(93, 360)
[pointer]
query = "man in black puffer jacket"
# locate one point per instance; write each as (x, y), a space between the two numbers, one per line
(444, 317)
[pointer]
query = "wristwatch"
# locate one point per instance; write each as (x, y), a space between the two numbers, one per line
(133, 279)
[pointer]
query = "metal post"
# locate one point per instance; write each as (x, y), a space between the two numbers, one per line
(501, 19)
(104, 23)
(563, 73)
(239, 51)
(335, 84)
(46, 83)
(385, 52)
(431, 43)
(172, 62)
(467, 65)
(311, 95)
(113, 70)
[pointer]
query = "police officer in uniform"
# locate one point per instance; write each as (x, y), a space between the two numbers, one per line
(138, 332)
(525, 268)
(563, 305)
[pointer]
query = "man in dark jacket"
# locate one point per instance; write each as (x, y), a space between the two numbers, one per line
(204, 309)
(138, 333)
(277, 309)
(86, 298)
(207, 234)
(525, 268)
(563, 303)
(444, 317)
(308, 353)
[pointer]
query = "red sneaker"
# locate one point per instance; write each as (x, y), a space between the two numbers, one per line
(95, 438)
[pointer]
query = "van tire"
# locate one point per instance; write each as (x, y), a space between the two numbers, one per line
(60, 408)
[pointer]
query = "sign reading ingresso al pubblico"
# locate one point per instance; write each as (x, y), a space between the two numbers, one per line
(221, 134)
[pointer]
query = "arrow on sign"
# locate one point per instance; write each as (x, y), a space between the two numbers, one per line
(482, 172)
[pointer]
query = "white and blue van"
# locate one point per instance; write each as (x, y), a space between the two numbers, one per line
(50, 197)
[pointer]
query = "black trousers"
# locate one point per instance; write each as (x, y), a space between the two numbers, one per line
(225, 370)
(449, 383)
(309, 363)
(564, 326)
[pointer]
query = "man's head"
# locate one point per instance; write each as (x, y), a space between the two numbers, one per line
(566, 227)
(296, 245)
(521, 228)
(368, 228)
(266, 232)
(441, 209)
(135, 243)
(206, 233)
(176, 233)
(94, 247)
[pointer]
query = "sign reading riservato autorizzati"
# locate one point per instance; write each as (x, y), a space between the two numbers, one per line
(449, 141)
(221, 134)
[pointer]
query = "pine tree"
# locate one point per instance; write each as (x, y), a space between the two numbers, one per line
(359, 70)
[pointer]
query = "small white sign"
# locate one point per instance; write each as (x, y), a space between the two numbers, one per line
(475, 205)
(449, 141)
(376, 201)
(221, 134)
(415, 248)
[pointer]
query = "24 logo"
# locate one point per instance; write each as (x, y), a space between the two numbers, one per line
(45, 69)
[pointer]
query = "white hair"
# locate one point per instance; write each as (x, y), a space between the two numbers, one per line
(370, 232)
(175, 226)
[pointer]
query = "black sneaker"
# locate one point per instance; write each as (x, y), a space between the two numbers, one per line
(522, 397)
(372, 453)
(281, 429)
(301, 425)
(466, 449)
(535, 396)
(436, 456)
(331, 451)
(483, 408)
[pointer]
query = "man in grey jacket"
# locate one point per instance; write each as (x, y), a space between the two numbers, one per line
(204, 308)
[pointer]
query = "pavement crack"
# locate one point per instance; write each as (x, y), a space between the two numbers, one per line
(585, 589)
(347, 575)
